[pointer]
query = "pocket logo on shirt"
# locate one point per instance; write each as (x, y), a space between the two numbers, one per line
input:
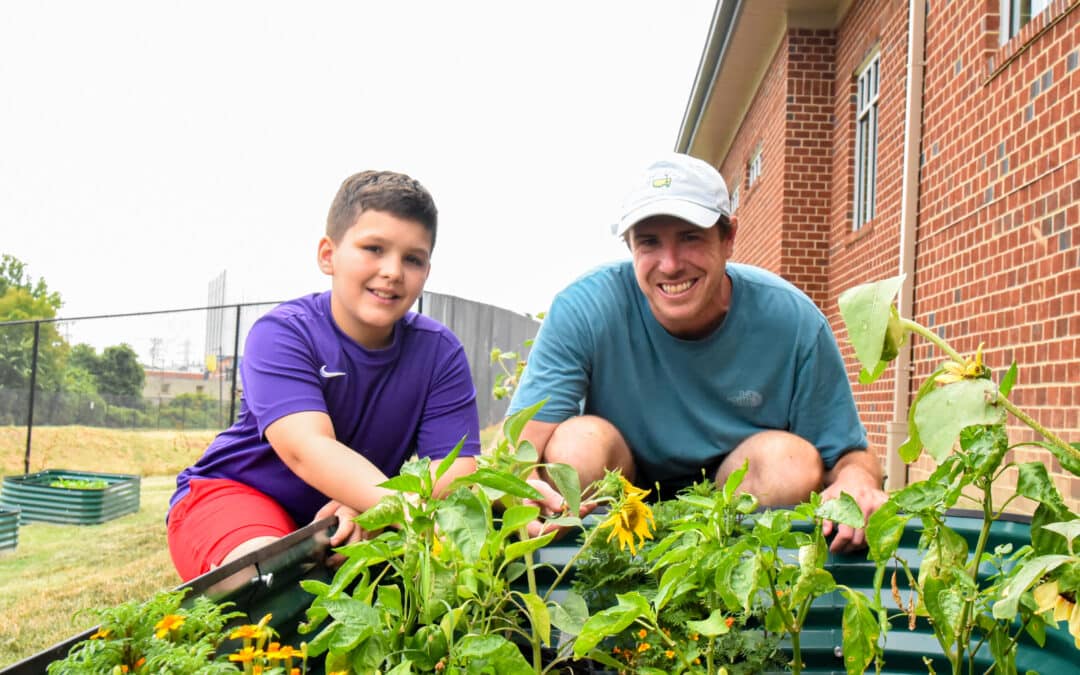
(327, 374)
(746, 398)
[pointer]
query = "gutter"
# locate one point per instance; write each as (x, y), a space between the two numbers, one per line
(723, 20)
(896, 434)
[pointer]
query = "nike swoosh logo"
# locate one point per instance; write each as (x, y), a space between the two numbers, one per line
(329, 373)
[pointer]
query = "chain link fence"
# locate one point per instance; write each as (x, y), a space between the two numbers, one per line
(179, 369)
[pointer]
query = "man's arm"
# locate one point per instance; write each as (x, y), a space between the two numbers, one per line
(859, 474)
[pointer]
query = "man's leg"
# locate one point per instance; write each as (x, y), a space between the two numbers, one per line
(591, 445)
(784, 468)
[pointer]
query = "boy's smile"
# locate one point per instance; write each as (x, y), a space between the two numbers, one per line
(379, 268)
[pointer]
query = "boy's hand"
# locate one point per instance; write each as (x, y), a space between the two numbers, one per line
(551, 505)
(347, 531)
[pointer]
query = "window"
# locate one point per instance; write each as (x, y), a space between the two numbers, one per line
(753, 168)
(734, 199)
(164, 387)
(199, 389)
(866, 138)
(1015, 14)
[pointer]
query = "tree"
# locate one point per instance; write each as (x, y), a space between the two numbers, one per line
(120, 373)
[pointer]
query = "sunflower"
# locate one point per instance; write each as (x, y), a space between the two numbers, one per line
(629, 518)
(971, 369)
(1048, 599)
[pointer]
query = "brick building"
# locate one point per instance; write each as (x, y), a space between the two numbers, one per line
(862, 138)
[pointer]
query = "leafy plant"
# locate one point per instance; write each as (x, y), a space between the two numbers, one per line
(974, 598)
(78, 484)
(451, 583)
(720, 587)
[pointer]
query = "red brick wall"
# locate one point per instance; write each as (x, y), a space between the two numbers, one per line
(997, 241)
(760, 213)
(999, 245)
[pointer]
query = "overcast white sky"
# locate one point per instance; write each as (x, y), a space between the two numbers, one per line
(147, 146)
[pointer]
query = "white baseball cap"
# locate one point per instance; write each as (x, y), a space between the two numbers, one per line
(677, 185)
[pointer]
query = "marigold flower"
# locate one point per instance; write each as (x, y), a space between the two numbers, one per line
(168, 623)
(245, 655)
(628, 519)
(697, 661)
(251, 631)
(643, 647)
(729, 622)
(101, 634)
(669, 653)
(642, 633)
(694, 637)
(971, 369)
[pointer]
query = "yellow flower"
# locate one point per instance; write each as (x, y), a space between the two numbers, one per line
(629, 518)
(245, 655)
(971, 369)
(643, 647)
(642, 633)
(1048, 598)
(168, 623)
(101, 634)
(669, 653)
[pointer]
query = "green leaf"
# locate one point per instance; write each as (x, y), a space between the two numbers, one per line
(860, 630)
(611, 621)
(570, 614)
(734, 480)
(520, 548)
(516, 517)
(462, 518)
(944, 602)
(1034, 483)
(946, 411)
(489, 654)
(568, 484)
(388, 511)
(714, 626)
(538, 616)
(884, 531)
(515, 423)
(866, 312)
(1030, 571)
(843, 510)
(526, 453)
(449, 460)
(743, 580)
(1069, 529)
(1009, 381)
(504, 483)
(403, 483)
(1070, 461)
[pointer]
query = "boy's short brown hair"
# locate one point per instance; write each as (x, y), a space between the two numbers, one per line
(395, 193)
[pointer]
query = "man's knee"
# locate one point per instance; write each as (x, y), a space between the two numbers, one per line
(590, 444)
(783, 468)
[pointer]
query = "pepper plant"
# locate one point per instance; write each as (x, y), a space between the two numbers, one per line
(974, 598)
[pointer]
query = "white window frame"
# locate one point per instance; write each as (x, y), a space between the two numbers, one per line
(866, 141)
(734, 198)
(1015, 14)
(753, 168)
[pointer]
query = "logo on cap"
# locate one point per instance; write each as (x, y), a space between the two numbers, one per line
(662, 182)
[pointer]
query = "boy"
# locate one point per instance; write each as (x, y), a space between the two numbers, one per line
(340, 388)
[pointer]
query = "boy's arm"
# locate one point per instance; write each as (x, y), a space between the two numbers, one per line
(305, 441)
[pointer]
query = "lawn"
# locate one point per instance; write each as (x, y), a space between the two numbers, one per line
(58, 570)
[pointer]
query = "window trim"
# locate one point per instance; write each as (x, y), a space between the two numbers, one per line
(1013, 18)
(867, 93)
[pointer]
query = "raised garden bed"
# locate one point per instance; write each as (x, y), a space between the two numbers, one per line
(282, 565)
(71, 497)
(9, 528)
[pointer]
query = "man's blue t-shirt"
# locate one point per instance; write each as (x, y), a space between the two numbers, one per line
(681, 404)
(416, 395)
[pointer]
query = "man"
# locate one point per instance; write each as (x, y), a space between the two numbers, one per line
(680, 361)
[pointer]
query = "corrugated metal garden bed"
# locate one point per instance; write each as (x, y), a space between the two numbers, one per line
(71, 497)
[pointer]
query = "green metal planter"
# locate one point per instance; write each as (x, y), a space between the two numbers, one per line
(9, 528)
(274, 588)
(51, 496)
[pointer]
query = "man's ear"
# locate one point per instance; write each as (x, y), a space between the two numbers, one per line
(325, 255)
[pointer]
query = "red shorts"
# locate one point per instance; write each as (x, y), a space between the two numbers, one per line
(215, 517)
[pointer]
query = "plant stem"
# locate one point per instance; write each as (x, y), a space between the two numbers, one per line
(932, 337)
(1028, 420)
(570, 563)
(530, 575)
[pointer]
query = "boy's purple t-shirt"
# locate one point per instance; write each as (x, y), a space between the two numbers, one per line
(416, 396)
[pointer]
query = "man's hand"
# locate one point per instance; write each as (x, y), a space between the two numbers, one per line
(551, 505)
(347, 531)
(864, 487)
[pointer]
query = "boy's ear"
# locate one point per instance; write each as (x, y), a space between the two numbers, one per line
(325, 255)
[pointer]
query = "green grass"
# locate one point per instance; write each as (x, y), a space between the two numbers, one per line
(58, 570)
